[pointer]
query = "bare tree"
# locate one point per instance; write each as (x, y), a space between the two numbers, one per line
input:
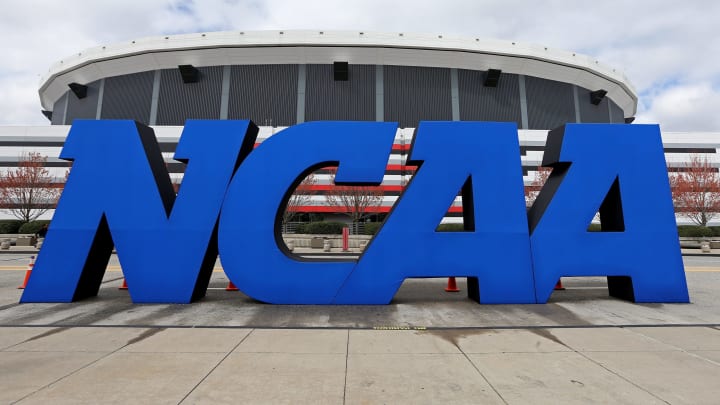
(696, 190)
(354, 201)
(532, 191)
(301, 197)
(28, 191)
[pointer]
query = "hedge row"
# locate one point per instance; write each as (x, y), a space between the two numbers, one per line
(15, 226)
(371, 228)
(321, 228)
(698, 231)
(450, 228)
(683, 230)
(335, 228)
(10, 225)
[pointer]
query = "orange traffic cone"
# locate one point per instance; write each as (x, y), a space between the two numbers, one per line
(452, 285)
(559, 286)
(231, 287)
(124, 285)
(27, 273)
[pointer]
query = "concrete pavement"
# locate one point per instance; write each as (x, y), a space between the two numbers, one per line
(334, 366)
(427, 346)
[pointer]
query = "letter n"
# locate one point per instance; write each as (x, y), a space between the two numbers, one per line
(119, 192)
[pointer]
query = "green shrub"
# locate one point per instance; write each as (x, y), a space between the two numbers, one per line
(683, 229)
(715, 230)
(694, 231)
(371, 228)
(703, 231)
(450, 228)
(10, 225)
(32, 226)
(321, 228)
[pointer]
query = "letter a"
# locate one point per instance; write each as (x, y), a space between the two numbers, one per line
(619, 171)
(482, 158)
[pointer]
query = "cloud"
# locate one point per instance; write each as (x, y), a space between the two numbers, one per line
(654, 42)
(19, 103)
(684, 108)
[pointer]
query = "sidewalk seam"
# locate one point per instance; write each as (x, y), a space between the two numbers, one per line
(215, 367)
(680, 349)
(76, 370)
(482, 375)
(622, 377)
(347, 355)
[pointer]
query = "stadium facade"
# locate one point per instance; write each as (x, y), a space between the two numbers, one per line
(281, 78)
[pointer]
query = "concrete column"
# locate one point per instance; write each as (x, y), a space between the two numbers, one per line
(155, 97)
(576, 100)
(101, 92)
(225, 93)
(523, 102)
(67, 101)
(379, 93)
(454, 94)
(302, 74)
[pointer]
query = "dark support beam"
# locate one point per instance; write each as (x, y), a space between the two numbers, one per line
(80, 90)
(340, 71)
(492, 77)
(189, 73)
(597, 96)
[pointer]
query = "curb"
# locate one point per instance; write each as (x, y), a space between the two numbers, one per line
(338, 254)
(702, 254)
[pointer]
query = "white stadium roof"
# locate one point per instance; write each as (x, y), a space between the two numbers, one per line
(323, 47)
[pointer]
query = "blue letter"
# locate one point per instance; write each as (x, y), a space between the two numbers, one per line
(249, 236)
(119, 191)
(619, 171)
(482, 159)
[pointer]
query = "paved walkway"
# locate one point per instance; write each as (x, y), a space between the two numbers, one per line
(427, 346)
(678, 365)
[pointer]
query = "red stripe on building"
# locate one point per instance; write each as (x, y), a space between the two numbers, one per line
(330, 187)
(396, 148)
(329, 209)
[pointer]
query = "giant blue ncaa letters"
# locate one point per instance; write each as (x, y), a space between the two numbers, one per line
(119, 194)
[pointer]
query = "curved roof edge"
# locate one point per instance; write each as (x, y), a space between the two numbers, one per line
(356, 47)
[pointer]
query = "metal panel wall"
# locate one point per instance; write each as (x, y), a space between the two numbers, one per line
(128, 97)
(58, 112)
(267, 94)
(179, 101)
(590, 112)
(480, 103)
(616, 113)
(550, 104)
(413, 94)
(327, 99)
(83, 108)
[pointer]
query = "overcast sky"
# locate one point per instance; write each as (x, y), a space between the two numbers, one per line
(669, 50)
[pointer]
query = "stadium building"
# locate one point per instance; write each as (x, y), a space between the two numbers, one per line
(281, 78)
